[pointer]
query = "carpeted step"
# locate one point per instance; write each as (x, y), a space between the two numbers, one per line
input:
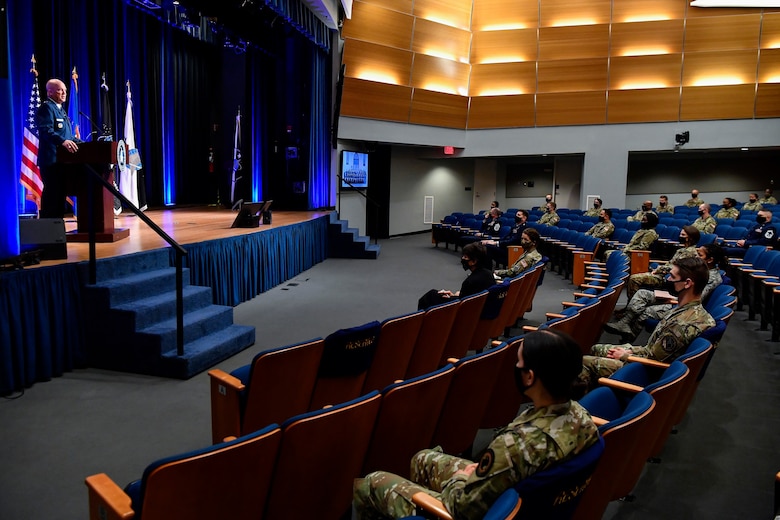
(205, 352)
(136, 286)
(126, 265)
(140, 314)
(161, 337)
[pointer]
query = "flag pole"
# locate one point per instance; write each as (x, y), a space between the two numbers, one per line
(30, 173)
(236, 160)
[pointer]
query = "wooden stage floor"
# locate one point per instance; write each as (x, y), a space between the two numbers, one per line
(185, 225)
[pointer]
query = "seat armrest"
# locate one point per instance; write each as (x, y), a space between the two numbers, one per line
(107, 501)
(620, 385)
(648, 362)
(554, 315)
(225, 405)
(582, 295)
(573, 304)
(598, 421)
(431, 505)
(530, 328)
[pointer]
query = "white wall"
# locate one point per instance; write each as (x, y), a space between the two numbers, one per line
(605, 149)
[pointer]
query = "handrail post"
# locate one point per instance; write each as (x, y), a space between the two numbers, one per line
(179, 305)
(91, 233)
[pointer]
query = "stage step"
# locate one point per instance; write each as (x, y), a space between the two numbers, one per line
(134, 316)
(346, 242)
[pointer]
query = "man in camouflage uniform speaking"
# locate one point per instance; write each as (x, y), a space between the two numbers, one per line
(673, 333)
(554, 429)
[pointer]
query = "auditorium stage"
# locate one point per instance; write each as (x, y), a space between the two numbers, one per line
(185, 225)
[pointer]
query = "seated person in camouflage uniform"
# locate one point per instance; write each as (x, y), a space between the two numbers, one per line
(646, 206)
(673, 333)
(527, 260)
(705, 223)
(729, 209)
(663, 205)
(595, 210)
(752, 204)
(768, 198)
(553, 430)
(604, 227)
(550, 218)
(644, 236)
(644, 305)
(694, 200)
(491, 226)
(473, 259)
(689, 237)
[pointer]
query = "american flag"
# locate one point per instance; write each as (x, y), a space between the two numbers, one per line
(30, 173)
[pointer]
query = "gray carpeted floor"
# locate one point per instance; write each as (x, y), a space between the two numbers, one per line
(720, 465)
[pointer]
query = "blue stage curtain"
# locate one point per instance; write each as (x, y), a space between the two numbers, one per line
(42, 334)
(239, 268)
(319, 133)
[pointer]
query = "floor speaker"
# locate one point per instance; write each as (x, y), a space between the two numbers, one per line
(46, 235)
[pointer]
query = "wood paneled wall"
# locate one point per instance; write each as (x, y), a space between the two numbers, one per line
(519, 63)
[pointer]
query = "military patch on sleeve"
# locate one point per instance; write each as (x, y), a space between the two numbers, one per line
(485, 463)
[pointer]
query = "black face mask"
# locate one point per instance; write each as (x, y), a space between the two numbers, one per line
(760, 219)
(521, 387)
(465, 264)
(518, 220)
(662, 204)
(596, 206)
(669, 286)
(526, 244)
(752, 201)
(683, 240)
(645, 208)
(601, 219)
(693, 196)
(701, 213)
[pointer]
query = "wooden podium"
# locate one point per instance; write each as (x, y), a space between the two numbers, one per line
(98, 155)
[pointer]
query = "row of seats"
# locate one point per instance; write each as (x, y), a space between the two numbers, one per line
(757, 281)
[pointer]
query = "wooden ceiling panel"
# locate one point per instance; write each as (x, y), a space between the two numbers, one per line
(560, 43)
(558, 13)
(722, 33)
(769, 66)
(768, 100)
(642, 72)
(724, 102)
(646, 10)
(437, 109)
(504, 14)
(572, 75)
(713, 12)
(719, 68)
(646, 105)
(435, 39)
(403, 6)
(502, 112)
(770, 31)
(643, 38)
(440, 75)
(374, 62)
(503, 46)
(376, 24)
(375, 100)
(571, 108)
(456, 13)
(503, 79)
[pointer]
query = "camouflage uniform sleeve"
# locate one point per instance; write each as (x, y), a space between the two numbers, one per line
(675, 332)
(520, 265)
(647, 239)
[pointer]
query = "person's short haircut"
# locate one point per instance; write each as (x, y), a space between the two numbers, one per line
(664, 197)
(524, 212)
(652, 219)
(607, 212)
(715, 252)
(754, 194)
(532, 234)
(766, 211)
(555, 358)
(598, 199)
(707, 207)
(769, 190)
(732, 202)
(695, 269)
(554, 205)
(496, 203)
(475, 251)
(693, 234)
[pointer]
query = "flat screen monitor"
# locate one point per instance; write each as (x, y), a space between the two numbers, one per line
(354, 170)
(247, 212)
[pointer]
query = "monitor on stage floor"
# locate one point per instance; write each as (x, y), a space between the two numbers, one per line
(249, 214)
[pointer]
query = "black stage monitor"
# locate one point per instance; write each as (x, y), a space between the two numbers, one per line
(249, 215)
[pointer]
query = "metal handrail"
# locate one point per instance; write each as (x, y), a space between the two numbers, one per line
(180, 251)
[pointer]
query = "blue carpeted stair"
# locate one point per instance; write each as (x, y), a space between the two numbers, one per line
(132, 313)
(346, 242)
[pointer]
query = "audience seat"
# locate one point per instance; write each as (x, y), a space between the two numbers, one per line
(322, 452)
(240, 401)
(432, 338)
(397, 338)
(406, 421)
(462, 330)
(226, 480)
(347, 354)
